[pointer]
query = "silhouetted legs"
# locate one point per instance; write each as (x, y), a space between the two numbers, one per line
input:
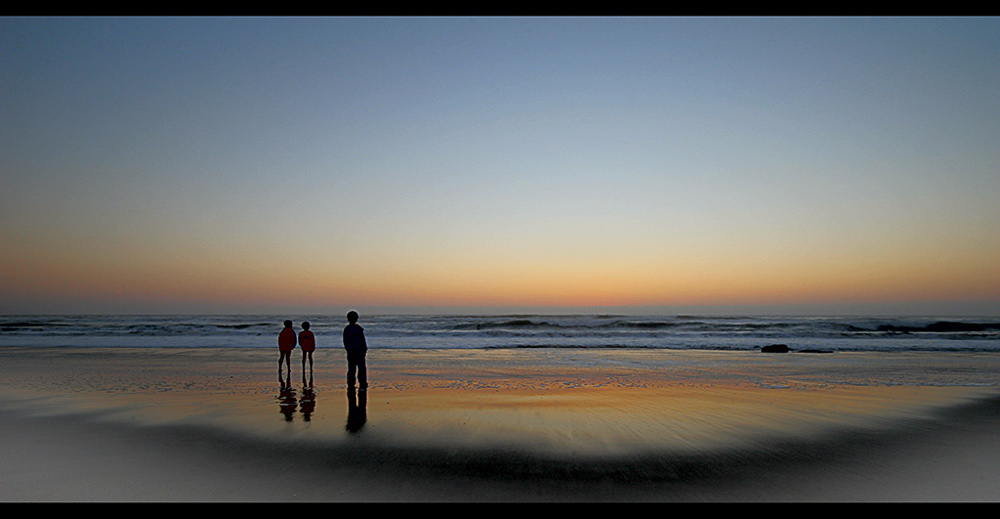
(286, 358)
(304, 355)
(356, 362)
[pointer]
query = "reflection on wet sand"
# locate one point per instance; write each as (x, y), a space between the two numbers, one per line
(287, 402)
(307, 404)
(357, 409)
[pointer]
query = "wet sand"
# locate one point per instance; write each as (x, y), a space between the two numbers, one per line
(173, 424)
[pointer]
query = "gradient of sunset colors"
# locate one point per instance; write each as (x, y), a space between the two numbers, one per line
(500, 164)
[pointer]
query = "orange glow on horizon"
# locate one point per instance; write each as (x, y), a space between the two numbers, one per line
(313, 281)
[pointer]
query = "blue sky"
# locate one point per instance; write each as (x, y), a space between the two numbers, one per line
(250, 164)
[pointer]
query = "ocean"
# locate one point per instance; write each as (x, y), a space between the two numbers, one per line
(828, 333)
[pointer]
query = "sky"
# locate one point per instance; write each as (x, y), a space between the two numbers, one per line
(640, 165)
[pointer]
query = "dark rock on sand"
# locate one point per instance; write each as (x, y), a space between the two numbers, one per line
(775, 348)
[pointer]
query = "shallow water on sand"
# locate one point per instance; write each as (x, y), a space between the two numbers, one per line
(554, 402)
(197, 424)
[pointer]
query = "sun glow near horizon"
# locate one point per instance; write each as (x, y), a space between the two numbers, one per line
(177, 164)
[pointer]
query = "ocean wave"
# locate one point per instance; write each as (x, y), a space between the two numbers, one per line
(517, 331)
(941, 327)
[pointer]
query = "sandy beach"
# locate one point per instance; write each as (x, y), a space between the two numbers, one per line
(537, 424)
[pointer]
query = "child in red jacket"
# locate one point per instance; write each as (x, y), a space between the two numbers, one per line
(307, 341)
(286, 343)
